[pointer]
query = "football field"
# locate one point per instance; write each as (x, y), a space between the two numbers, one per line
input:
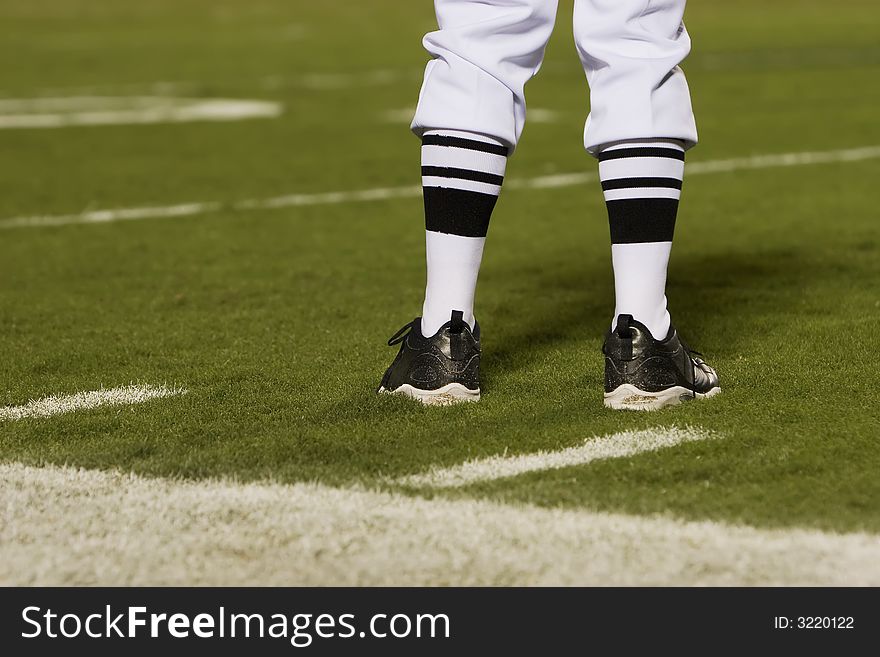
(211, 222)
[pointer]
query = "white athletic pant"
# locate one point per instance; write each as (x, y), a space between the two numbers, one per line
(486, 50)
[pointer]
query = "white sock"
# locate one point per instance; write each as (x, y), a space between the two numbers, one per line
(641, 180)
(461, 179)
(640, 284)
(453, 266)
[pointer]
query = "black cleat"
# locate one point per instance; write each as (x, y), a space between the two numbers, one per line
(442, 369)
(644, 374)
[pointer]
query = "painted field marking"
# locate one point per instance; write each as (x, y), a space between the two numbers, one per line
(543, 115)
(387, 193)
(58, 404)
(55, 520)
(332, 81)
(405, 115)
(400, 115)
(311, 81)
(626, 443)
(121, 110)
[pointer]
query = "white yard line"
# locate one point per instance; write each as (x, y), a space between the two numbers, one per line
(543, 115)
(331, 81)
(312, 81)
(405, 115)
(627, 443)
(61, 525)
(381, 194)
(33, 113)
(400, 115)
(55, 405)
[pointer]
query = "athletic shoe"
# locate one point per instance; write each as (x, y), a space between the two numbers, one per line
(441, 369)
(642, 373)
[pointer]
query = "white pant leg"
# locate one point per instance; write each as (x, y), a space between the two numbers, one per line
(631, 50)
(483, 54)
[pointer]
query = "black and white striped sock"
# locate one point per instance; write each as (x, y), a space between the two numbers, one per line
(462, 175)
(641, 181)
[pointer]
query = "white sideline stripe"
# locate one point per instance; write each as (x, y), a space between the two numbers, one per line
(63, 526)
(93, 111)
(387, 193)
(542, 115)
(405, 115)
(55, 405)
(626, 443)
(332, 81)
(400, 115)
(314, 81)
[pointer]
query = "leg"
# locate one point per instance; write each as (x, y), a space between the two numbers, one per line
(482, 56)
(641, 181)
(631, 51)
(640, 123)
(470, 115)
(639, 127)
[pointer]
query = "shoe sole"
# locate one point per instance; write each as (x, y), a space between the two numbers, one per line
(451, 393)
(627, 397)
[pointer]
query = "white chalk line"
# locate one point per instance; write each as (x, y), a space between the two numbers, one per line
(56, 519)
(33, 113)
(58, 404)
(64, 526)
(310, 81)
(387, 193)
(618, 445)
(405, 115)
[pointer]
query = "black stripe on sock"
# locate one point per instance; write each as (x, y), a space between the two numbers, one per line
(635, 151)
(638, 220)
(463, 174)
(461, 142)
(633, 183)
(458, 212)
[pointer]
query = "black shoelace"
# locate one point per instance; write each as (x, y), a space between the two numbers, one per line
(401, 334)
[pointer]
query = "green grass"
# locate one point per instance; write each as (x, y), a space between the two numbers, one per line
(275, 320)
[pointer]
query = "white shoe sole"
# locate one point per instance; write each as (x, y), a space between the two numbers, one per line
(629, 398)
(451, 393)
